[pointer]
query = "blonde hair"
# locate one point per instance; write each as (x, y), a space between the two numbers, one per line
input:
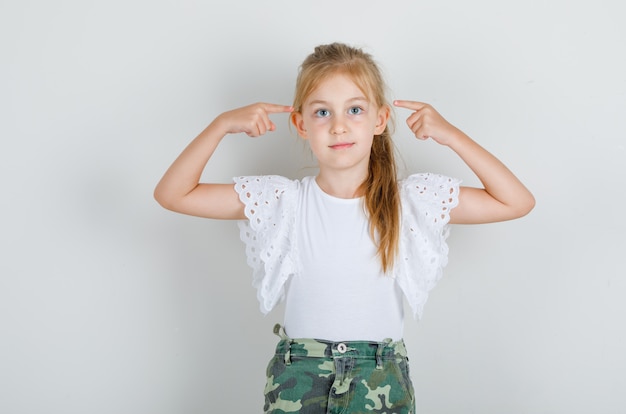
(380, 188)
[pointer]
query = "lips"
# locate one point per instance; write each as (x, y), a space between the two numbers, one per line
(342, 145)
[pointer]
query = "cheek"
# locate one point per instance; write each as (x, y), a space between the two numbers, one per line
(317, 127)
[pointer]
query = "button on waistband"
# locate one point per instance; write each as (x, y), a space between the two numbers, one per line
(342, 348)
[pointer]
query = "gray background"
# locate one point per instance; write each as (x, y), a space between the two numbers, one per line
(111, 304)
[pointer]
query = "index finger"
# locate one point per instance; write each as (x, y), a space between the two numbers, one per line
(275, 108)
(413, 105)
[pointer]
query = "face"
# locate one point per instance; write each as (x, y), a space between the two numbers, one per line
(340, 123)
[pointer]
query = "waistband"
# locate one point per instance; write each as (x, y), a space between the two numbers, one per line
(319, 348)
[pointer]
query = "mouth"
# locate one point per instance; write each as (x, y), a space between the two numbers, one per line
(341, 145)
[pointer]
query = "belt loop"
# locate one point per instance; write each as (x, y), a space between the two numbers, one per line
(280, 331)
(379, 352)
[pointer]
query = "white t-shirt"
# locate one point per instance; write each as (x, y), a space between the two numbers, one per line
(315, 251)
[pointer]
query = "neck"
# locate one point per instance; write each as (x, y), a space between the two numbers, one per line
(341, 184)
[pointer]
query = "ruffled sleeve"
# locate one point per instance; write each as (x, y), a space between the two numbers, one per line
(270, 205)
(426, 203)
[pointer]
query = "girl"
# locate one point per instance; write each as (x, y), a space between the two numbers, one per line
(344, 247)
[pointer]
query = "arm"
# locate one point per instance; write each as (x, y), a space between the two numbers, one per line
(503, 197)
(180, 190)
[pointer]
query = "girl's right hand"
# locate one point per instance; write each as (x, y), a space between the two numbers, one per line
(253, 120)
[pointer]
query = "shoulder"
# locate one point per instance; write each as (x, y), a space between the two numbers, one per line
(264, 182)
(429, 196)
(267, 196)
(268, 187)
(429, 184)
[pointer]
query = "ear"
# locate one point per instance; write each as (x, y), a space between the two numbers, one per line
(383, 117)
(298, 121)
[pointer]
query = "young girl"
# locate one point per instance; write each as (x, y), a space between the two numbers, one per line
(344, 247)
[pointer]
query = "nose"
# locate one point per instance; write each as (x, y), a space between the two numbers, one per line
(338, 127)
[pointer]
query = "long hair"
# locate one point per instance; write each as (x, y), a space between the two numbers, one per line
(380, 188)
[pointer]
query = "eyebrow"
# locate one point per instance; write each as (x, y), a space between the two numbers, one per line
(356, 98)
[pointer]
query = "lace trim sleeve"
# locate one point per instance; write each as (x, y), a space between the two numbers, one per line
(270, 208)
(427, 200)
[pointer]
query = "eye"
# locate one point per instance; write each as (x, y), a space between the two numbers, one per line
(322, 113)
(355, 110)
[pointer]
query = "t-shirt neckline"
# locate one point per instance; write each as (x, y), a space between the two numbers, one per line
(332, 197)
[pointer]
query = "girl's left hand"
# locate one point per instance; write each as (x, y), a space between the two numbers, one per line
(426, 122)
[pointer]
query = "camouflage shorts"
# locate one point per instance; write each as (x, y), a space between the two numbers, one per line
(315, 376)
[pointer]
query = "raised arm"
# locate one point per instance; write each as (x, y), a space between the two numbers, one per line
(180, 190)
(503, 197)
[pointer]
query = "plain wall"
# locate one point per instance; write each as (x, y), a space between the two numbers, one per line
(111, 304)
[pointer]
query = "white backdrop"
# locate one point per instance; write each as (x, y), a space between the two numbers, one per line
(111, 304)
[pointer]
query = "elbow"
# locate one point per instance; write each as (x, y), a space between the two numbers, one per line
(161, 197)
(526, 205)
(530, 203)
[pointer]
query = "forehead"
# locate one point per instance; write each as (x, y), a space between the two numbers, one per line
(337, 87)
